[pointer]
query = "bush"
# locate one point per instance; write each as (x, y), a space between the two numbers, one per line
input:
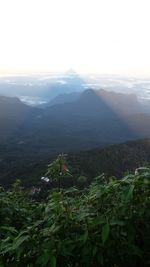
(106, 224)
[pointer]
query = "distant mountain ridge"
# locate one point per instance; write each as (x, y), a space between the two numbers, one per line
(95, 119)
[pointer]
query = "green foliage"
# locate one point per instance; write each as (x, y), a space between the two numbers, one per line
(82, 179)
(106, 224)
(58, 169)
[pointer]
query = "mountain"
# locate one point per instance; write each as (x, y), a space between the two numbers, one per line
(69, 82)
(14, 115)
(106, 101)
(62, 98)
(96, 119)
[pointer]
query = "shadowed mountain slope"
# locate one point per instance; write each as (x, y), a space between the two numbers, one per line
(13, 116)
(96, 119)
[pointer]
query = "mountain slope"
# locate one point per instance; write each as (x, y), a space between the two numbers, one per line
(13, 116)
(112, 160)
(97, 119)
(63, 98)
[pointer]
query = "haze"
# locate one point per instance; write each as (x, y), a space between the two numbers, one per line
(102, 36)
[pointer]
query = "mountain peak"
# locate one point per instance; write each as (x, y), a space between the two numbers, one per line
(71, 72)
(111, 100)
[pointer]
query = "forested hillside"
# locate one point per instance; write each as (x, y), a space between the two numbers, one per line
(113, 160)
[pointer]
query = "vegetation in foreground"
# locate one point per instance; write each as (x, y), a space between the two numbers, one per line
(105, 224)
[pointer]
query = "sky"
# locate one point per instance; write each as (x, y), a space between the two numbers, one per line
(102, 36)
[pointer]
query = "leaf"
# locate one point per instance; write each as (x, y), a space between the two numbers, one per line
(43, 259)
(53, 261)
(105, 232)
(9, 229)
(5, 249)
(85, 237)
(130, 192)
(1, 264)
(136, 250)
(116, 222)
(94, 251)
(19, 241)
(98, 221)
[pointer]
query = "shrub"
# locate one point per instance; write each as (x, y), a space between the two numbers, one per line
(106, 224)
